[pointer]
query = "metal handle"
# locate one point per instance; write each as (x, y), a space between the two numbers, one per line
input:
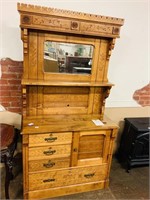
(49, 152)
(50, 139)
(49, 164)
(49, 180)
(89, 175)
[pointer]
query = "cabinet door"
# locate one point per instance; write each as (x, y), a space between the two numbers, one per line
(90, 147)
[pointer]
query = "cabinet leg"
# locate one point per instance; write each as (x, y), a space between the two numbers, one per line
(9, 175)
(128, 167)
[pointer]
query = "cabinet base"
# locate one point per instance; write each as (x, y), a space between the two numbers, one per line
(60, 191)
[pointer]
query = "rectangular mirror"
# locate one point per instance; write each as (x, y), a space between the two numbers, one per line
(67, 58)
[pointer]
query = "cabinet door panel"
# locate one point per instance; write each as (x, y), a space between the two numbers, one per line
(89, 146)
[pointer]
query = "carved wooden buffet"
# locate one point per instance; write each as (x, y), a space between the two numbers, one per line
(64, 151)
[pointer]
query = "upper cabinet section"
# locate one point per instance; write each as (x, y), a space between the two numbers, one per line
(61, 45)
(57, 20)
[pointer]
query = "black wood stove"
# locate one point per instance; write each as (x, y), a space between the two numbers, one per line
(134, 145)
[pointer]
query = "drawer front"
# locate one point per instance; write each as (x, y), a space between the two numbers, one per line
(58, 178)
(46, 152)
(50, 139)
(48, 164)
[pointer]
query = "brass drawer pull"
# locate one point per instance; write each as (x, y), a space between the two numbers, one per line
(51, 139)
(89, 175)
(49, 164)
(49, 152)
(49, 180)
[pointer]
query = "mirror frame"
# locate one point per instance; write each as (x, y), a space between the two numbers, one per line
(67, 39)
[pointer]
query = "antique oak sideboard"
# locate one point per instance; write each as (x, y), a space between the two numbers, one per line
(64, 87)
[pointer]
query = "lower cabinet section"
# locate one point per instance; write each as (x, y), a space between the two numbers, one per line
(65, 177)
(65, 163)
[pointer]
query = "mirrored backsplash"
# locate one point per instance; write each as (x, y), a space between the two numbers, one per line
(67, 58)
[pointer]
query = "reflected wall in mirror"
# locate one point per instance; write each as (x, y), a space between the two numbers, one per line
(67, 58)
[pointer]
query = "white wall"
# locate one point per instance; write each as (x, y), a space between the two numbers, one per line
(129, 64)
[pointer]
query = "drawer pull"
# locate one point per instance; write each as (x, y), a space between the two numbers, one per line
(51, 139)
(49, 164)
(49, 180)
(89, 175)
(49, 152)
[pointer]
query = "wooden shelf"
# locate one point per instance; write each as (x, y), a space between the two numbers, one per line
(65, 83)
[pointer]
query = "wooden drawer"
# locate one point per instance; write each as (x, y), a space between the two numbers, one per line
(46, 152)
(50, 139)
(48, 164)
(72, 176)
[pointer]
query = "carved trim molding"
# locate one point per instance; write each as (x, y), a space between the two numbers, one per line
(69, 14)
(59, 20)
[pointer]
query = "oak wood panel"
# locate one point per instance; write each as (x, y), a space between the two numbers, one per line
(65, 90)
(55, 151)
(39, 100)
(40, 57)
(87, 155)
(91, 146)
(94, 59)
(74, 152)
(98, 100)
(66, 110)
(25, 165)
(49, 164)
(103, 52)
(65, 97)
(71, 189)
(50, 139)
(33, 55)
(89, 161)
(90, 100)
(58, 178)
(33, 100)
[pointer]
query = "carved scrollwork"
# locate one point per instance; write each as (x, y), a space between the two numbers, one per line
(51, 22)
(26, 19)
(116, 30)
(107, 92)
(110, 48)
(96, 28)
(75, 25)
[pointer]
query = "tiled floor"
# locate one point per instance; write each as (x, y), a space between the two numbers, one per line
(123, 185)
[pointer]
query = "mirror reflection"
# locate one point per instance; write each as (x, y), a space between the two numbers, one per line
(67, 58)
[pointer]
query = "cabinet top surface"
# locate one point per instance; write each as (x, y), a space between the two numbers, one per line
(55, 123)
